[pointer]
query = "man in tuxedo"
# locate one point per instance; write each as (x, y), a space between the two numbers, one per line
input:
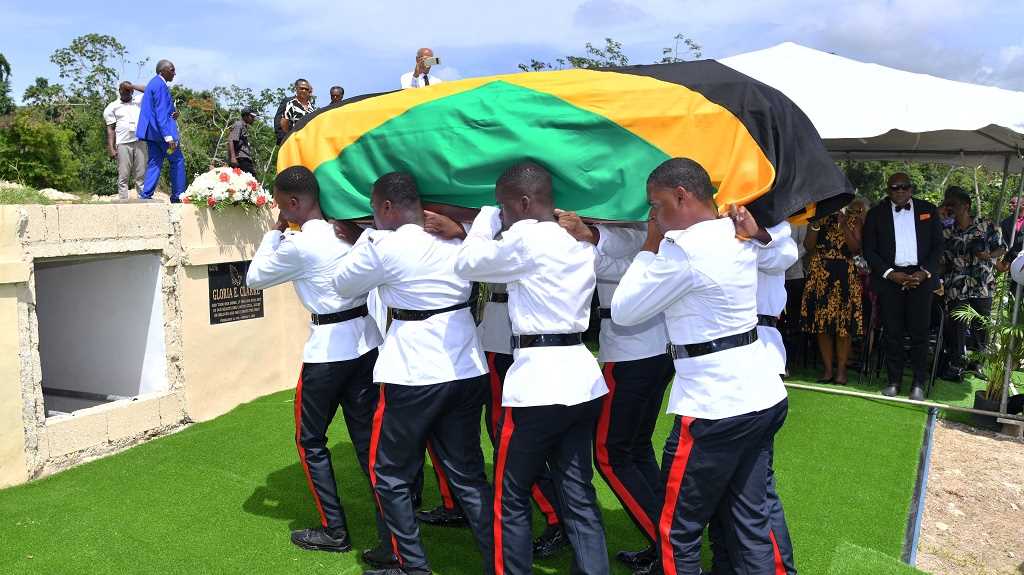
(158, 128)
(902, 242)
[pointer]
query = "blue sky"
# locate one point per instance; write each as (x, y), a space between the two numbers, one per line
(365, 46)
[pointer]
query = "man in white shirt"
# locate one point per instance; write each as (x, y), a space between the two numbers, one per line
(420, 76)
(902, 242)
(122, 117)
(551, 396)
(339, 354)
(431, 370)
(727, 397)
(637, 371)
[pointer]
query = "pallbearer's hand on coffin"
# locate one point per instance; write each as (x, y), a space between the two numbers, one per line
(577, 228)
(442, 226)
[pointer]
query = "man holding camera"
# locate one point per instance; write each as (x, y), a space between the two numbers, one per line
(420, 75)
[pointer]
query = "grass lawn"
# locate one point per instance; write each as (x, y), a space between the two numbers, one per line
(17, 194)
(221, 496)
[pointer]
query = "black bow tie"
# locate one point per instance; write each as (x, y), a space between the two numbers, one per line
(905, 206)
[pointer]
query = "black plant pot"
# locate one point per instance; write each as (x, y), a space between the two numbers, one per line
(981, 402)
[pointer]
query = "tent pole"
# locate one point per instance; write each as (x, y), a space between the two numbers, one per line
(1007, 371)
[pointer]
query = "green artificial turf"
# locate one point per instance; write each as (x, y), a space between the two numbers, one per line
(221, 496)
(851, 559)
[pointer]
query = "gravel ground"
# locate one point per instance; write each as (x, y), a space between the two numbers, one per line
(974, 509)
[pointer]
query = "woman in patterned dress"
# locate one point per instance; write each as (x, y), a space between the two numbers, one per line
(831, 305)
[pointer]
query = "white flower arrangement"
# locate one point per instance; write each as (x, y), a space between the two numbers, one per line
(222, 187)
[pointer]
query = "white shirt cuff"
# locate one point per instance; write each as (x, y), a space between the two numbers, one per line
(487, 223)
(886, 274)
(168, 139)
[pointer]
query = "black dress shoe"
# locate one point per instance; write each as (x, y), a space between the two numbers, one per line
(636, 559)
(651, 568)
(322, 539)
(550, 542)
(442, 517)
(917, 393)
(381, 557)
(891, 390)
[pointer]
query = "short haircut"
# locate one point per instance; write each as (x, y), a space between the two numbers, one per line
(296, 83)
(958, 194)
(163, 65)
(686, 173)
(529, 179)
(338, 88)
(124, 84)
(400, 189)
(297, 181)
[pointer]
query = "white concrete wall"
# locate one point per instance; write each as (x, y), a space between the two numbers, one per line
(101, 326)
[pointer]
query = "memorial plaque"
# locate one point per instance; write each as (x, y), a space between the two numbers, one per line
(230, 300)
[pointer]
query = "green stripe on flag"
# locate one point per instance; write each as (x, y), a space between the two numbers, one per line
(600, 169)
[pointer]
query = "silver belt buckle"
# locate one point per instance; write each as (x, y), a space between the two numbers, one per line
(671, 349)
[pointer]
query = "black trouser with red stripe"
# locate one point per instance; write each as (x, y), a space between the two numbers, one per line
(543, 490)
(717, 469)
(559, 438)
(322, 388)
(623, 449)
(448, 414)
(721, 561)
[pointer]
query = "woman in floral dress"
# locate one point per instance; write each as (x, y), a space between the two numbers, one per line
(831, 307)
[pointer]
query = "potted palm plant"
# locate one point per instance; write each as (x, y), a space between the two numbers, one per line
(1004, 338)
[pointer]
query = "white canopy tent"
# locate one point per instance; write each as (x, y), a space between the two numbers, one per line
(867, 111)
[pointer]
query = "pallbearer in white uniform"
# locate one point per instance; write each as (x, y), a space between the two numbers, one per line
(431, 370)
(551, 396)
(637, 371)
(771, 301)
(339, 355)
(727, 397)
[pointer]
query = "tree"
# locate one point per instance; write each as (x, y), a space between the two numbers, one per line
(6, 103)
(37, 152)
(670, 54)
(87, 64)
(612, 56)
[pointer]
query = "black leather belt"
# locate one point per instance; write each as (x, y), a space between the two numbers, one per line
(498, 297)
(767, 320)
(720, 344)
(422, 314)
(546, 340)
(339, 316)
(604, 312)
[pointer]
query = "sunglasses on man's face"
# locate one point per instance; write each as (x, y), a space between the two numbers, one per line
(904, 187)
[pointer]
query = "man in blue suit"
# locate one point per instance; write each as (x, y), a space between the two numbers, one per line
(158, 128)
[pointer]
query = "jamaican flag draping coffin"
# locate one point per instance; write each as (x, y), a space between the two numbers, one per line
(599, 132)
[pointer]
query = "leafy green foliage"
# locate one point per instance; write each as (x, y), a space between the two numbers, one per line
(21, 195)
(1005, 336)
(37, 152)
(611, 55)
(58, 138)
(931, 181)
(670, 54)
(6, 103)
(87, 63)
